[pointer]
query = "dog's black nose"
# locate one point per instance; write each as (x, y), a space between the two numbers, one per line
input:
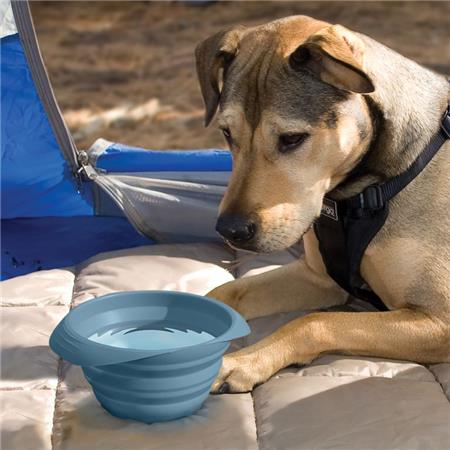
(235, 228)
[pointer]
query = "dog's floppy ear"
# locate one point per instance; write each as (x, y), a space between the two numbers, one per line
(212, 55)
(336, 56)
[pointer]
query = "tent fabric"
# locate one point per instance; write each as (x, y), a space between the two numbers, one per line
(25, 27)
(166, 210)
(169, 196)
(36, 180)
(42, 243)
(114, 157)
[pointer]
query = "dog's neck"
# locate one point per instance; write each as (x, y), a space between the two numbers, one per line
(408, 104)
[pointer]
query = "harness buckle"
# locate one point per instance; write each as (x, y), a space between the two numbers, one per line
(445, 122)
(371, 197)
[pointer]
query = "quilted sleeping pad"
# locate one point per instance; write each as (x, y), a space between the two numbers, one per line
(338, 402)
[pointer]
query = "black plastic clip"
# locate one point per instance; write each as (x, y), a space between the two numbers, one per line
(371, 198)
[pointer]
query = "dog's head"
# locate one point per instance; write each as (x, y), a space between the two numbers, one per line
(291, 110)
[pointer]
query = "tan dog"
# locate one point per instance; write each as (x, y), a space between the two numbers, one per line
(296, 132)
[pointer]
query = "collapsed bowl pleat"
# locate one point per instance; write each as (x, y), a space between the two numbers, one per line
(154, 389)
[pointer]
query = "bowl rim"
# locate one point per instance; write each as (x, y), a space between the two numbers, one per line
(67, 341)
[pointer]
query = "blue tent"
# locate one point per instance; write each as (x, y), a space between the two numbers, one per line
(60, 205)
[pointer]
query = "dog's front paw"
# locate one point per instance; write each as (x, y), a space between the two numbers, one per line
(240, 373)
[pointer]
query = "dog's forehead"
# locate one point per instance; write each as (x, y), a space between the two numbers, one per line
(260, 80)
(292, 31)
(282, 35)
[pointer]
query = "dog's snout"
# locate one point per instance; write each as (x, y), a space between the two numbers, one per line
(236, 228)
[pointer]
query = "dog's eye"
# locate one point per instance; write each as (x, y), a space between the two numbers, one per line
(227, 134)
(291, 141)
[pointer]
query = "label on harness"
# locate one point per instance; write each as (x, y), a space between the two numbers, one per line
(329, 209)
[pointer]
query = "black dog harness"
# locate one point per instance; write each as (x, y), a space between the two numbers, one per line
(346, 227)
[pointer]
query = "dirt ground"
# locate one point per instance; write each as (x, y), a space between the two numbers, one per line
(125, 70)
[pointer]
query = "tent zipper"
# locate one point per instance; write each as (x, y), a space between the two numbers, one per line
(85, 166)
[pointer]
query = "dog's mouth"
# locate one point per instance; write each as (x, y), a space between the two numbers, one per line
(247, 246)
(269, 242)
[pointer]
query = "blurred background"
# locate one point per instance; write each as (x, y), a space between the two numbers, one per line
(125, 70)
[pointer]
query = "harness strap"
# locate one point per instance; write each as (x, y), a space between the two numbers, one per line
(346, 227)
(376, 195)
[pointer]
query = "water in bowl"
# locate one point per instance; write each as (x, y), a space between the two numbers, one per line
(150, 336)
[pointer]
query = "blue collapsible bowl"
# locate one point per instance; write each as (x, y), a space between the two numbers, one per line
(151, 356)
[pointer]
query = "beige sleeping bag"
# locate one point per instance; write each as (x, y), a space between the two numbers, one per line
(338, 402)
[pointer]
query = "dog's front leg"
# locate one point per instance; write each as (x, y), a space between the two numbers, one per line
(402, 334)
(295, 286)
